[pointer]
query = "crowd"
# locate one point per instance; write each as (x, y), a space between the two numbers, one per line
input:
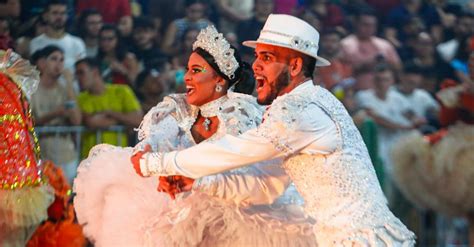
(106, 63)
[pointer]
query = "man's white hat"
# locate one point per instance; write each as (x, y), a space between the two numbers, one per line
(290, 32)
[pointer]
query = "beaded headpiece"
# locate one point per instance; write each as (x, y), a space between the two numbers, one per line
(217, 46)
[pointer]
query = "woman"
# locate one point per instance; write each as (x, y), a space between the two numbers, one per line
(119, 208)
(195, 18)
(118, 65)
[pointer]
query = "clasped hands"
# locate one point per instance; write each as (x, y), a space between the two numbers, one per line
(171, 185)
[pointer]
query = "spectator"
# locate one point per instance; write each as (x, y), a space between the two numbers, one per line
(54, 104)
(331, 75)
(104, 105)
(179, 62)
(112, 11)
(32, 28)
(330, 14)
(73, 47)
(363, 46)
(151, 88)
(286, 6)
(312, 18)
(463, 28)
(145, 50)
(195, 18)
(117, 65)
(406, 11)
(435, 70)
(232, 12)
(389, 110)
(460, 61)
(88, 28)
(422, 104)
(10, 9)
(364, 77)
(250, 29)
(6, 41)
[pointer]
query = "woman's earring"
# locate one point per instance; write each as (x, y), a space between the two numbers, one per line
(218, 88)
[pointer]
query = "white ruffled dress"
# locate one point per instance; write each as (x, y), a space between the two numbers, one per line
(236, 208)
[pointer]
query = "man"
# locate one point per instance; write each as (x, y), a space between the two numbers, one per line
(56, 17)
(148, 54)
(89, 25)
(363, 46)
(55, 104)
(323, 150)
(463, 29)
(104, 105)
(250, 29)
(335, 73)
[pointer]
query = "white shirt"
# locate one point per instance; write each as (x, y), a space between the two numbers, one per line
(73, 47)
(420, 101)
(392, 109)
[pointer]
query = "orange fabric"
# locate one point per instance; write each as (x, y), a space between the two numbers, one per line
(60, 229)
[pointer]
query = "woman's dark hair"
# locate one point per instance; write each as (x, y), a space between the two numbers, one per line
(120, 49)
(243, 80)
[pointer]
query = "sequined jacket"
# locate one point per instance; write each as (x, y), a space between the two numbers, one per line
(19, 152)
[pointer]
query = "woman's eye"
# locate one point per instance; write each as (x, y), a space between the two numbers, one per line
(195, 71)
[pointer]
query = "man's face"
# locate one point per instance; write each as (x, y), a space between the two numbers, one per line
(264, 7)
(195, 12)
(330, 44)
(271, 72)
(143, 37)
(384, 80)
(465, 26)
(413, 80)
(56, 16)
(93, 25)
(54, 64)
(366, 26)
(84, 75)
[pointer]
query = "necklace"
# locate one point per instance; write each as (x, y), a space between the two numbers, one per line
(211, 109)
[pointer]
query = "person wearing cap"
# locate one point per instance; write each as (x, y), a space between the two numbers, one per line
(310, 129)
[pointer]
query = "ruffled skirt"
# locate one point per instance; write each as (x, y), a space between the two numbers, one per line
(21, 211)
(439, 176)
(119, 208)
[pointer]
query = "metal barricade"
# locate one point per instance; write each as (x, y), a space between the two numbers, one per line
(76, 133)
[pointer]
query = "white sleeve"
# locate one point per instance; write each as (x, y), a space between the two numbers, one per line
(257, 184)
(287, 132)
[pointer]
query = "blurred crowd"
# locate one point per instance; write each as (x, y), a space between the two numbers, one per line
(106, 63)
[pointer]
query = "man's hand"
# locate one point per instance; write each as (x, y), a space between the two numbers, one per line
(135, 159)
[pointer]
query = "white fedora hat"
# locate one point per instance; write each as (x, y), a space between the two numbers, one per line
(292, 33)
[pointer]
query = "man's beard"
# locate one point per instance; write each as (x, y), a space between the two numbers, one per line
(57, 25)
(281, 82)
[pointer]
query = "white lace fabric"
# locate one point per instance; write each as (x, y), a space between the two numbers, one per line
(340, 190)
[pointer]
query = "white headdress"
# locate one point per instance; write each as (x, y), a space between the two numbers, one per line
(217, 46)
(20, 71)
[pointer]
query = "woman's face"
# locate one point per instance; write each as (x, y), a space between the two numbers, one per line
(201, 81)
(108, 40)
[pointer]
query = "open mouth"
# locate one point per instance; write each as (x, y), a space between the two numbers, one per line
(190, 90)
(260, 82)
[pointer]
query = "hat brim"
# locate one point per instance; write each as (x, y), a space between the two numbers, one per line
(320, 61)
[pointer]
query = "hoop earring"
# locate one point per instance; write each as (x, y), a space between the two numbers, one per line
(218, 88)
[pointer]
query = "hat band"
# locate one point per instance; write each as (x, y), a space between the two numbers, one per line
(294, 42)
